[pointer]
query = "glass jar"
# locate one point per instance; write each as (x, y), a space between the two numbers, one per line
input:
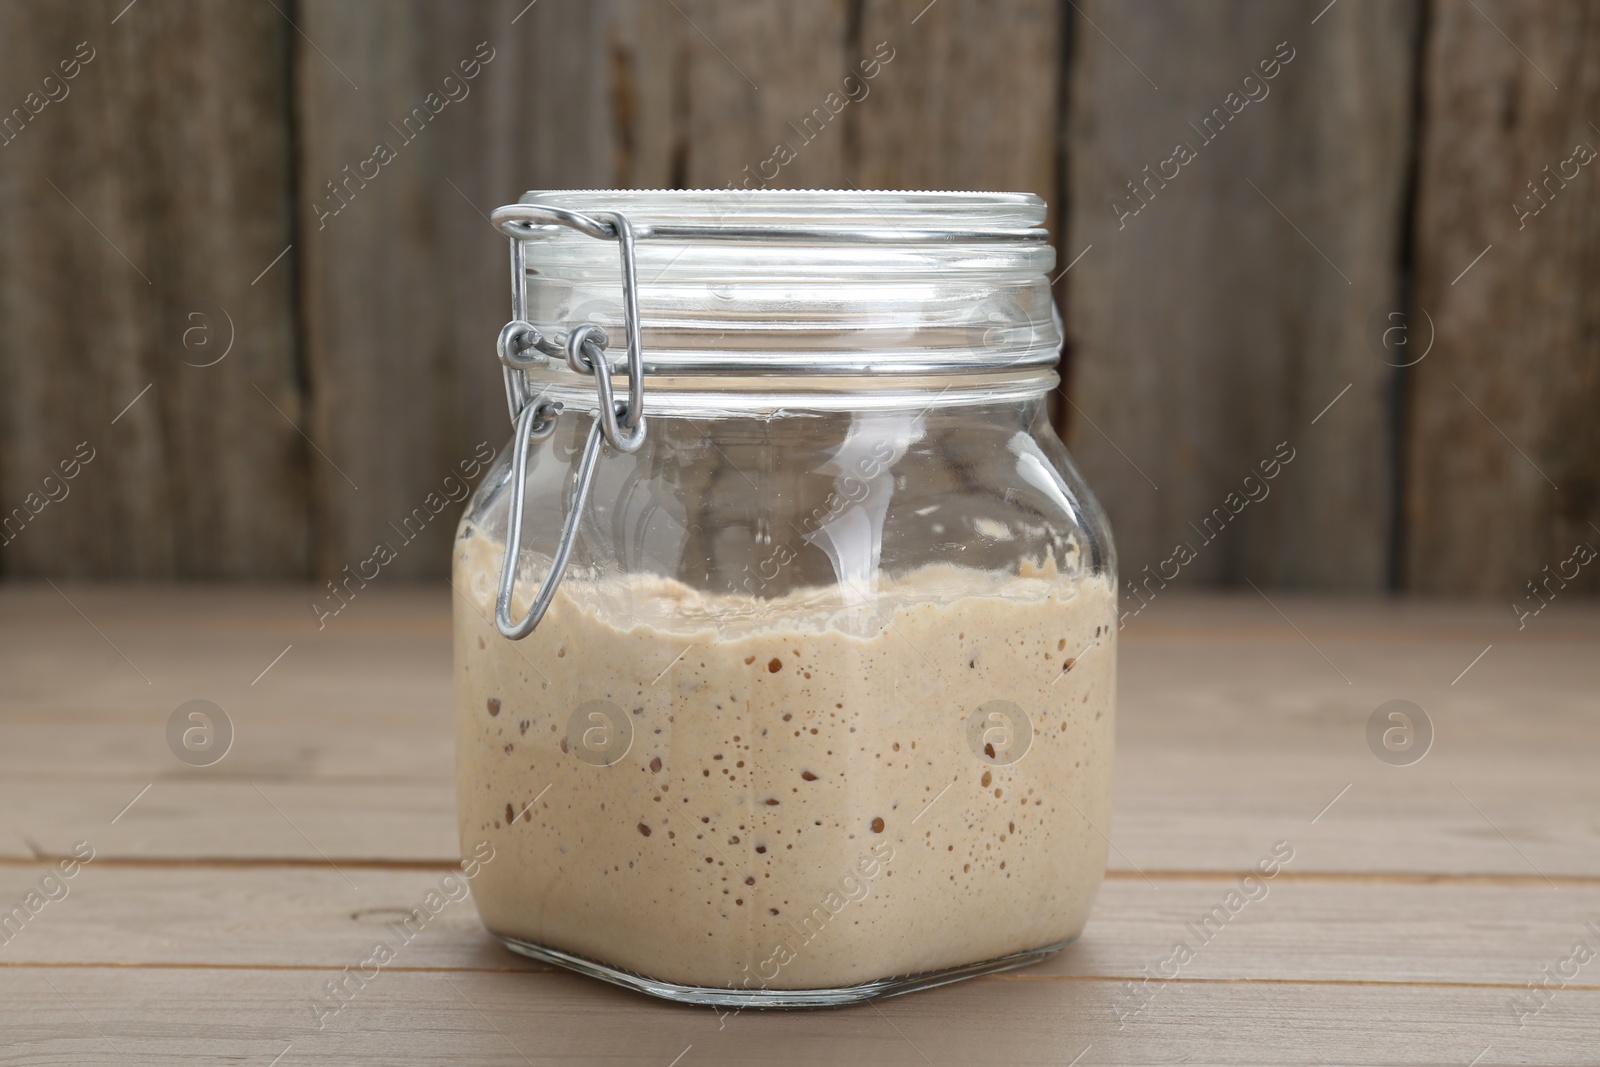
(816, 699)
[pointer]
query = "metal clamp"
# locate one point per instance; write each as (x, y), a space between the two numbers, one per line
(522, 347)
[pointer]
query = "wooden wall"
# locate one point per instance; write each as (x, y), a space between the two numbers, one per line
(191, 189)
(1221, 308)
(1502, 463)
(156, 187)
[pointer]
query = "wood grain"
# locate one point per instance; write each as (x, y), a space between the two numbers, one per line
(1235, 732)
(405, 286)
(214, 916)
(647, 94)
(1417, 907)
(1229, 312)
(970, 100)
(1503, 467)
(252, 1015)
(179, 184)
(143, 210)
(755, 72)
(1169, 819)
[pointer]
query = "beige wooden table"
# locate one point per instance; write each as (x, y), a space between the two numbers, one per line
(1419, 904)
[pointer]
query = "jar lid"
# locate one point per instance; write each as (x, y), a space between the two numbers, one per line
(850, 215)
(779, 282)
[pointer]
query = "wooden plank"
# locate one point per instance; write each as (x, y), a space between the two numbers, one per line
(195, 1016)
(311, 917)
(969, 101)
(1168, 817)
(143, 209)
(368, 694)
(386, 658)
(1226, 314)
(1182, 806)
(177, 819)
(755, 73)
(870, 98)
(1503, 439)
(646, 96)
(405, 287)
(387, 653)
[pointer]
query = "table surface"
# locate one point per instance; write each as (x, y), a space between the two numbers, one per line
(1420, 904)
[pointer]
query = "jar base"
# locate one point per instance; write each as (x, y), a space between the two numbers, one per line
(778, 998)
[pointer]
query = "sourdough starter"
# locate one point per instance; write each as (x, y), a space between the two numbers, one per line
(801, 805)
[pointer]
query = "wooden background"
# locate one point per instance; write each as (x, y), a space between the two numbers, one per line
(162, 212)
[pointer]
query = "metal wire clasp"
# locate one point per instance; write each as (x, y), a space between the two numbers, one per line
(521, 347)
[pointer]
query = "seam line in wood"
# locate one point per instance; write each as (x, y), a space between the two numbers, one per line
(1385, 877)
(1436, 983)
(1012, 976)
(1175, 875)
(175, 965)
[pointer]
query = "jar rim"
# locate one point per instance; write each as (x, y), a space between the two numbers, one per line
(976, 213)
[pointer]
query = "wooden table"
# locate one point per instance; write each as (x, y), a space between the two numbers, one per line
(1419, 904)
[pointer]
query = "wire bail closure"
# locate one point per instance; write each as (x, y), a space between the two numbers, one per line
(522, 347)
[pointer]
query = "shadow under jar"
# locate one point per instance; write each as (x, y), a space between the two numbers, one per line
(821, 707)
